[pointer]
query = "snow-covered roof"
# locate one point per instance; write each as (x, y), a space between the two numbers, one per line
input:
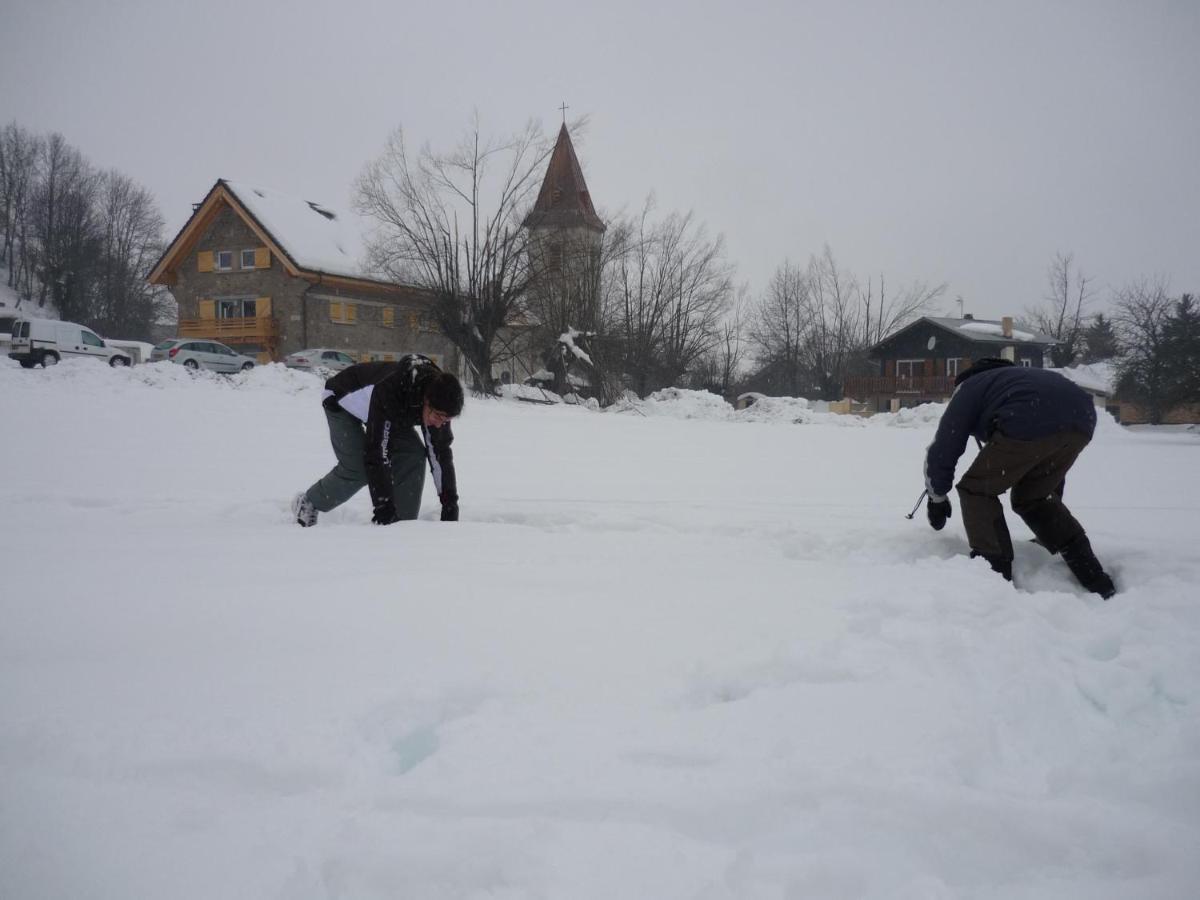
(989, 331)
(1097, 378)
(315, 236)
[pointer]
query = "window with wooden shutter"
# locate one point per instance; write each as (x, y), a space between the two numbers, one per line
(335, 310)
(414, 322)
(351, 313)
(208, 309)
(262, 258)
(389, 317)
(262, 306)
(204, 260)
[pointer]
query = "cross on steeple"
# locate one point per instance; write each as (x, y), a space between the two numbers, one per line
(564, 109)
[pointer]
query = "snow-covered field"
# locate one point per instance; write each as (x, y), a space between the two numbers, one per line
(669, 652)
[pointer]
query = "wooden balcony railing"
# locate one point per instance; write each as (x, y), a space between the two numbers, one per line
(261, 330)
(860, 386)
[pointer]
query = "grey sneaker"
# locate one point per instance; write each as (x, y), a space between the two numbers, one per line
(304, 511)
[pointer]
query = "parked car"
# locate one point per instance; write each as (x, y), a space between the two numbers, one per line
(197, 354)
(319, 358)
(45, 342)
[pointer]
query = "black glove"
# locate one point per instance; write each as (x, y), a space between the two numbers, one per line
(385, 514)
(450, 512)
(939, 512)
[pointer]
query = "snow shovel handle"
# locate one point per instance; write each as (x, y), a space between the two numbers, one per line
(924, 494)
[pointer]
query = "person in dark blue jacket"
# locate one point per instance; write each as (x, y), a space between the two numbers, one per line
(1033, 424)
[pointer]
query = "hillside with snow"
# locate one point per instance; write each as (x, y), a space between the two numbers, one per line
(670, 651)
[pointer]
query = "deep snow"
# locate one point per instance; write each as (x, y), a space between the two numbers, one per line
(671, 651)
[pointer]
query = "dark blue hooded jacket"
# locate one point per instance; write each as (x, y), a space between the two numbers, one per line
(1021, 403)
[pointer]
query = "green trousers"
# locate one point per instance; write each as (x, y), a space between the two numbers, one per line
(1035, 471)
(347, 478)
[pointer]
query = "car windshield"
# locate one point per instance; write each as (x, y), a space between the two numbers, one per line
(165, 345)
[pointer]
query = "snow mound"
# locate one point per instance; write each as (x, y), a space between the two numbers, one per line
(88, 377)
(774, 409)
(912, 417)
(678, 403)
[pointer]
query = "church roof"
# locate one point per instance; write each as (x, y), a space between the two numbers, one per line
(564, 200)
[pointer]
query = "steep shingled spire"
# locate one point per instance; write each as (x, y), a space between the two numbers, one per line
(564, 200)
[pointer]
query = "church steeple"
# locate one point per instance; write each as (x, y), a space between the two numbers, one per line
(564, 201)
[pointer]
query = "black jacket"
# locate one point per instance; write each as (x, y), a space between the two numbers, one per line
(1021, 403)
(389, 396)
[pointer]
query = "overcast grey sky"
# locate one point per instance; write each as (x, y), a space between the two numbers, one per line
(946, 141)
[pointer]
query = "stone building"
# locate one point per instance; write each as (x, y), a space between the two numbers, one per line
(269, 274)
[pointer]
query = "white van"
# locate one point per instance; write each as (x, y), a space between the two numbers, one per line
(44, 342)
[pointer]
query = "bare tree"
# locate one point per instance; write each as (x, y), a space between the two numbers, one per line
(131, 240)
(64, 227)
(834, 324)
(779, 328)
(1062, 314)
(1142, 317)
(719, 370)
(670, 288)
(19, 154)
(448, 224)
(883, 315)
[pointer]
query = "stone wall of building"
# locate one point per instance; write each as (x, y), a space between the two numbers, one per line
(228, 231)
(309, 313)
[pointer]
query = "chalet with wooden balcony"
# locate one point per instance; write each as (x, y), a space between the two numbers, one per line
(269, 274)
(918, 363)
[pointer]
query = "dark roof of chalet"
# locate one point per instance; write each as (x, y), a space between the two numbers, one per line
(978, 331)
(564, 201)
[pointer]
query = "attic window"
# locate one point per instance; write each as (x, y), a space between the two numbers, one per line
(317, 208)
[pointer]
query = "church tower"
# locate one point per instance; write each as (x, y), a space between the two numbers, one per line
(565, 241)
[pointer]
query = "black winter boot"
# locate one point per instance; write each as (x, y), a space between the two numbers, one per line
(1002, 566)
(1085, 567)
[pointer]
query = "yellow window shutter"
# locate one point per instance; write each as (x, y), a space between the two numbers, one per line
(204, 260)
(414, 322)
(262, 258)
(208, 308)
(262, 306)
(389, 316)
(335, 310)
(351, 312)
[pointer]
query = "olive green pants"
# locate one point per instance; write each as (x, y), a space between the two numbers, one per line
(1035, 471)
(347, 478)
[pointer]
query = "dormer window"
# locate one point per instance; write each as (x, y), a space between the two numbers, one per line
(223, 260)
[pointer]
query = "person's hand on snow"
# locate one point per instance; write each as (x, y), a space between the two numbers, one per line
(385, 514)
(939, 512)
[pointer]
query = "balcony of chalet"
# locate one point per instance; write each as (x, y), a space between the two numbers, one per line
(256, 334)
(906, 387)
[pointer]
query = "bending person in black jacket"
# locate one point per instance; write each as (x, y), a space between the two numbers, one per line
(372, 410)
(1034, 424)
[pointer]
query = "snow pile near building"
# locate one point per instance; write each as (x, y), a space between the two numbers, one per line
(1100, 377)
(680, 403)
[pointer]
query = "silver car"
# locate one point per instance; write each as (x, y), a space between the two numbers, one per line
(319, 358)
(195, 354)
